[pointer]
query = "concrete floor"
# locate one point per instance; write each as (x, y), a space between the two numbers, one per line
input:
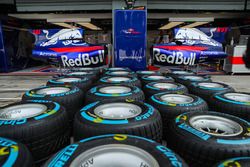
(13, 87)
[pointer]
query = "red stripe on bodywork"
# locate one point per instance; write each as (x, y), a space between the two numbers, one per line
(186, 48)
(78, 49)
(236, 59)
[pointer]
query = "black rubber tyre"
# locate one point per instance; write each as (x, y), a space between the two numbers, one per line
(149, 151)
(91, 75)
(208, 146)
(187, 80)
(170, 110)
(120, 80)
(235, 162)
(220, 103)
(96, 94)
(175, 74)
(155, 78)
(89, 69)
(144, 73)
(72, 100)
(14, 154)
(44, 131)
(116, 69)
(83, 83)
(120, 73)
(143, 120)
(158, 87)
(206, 89)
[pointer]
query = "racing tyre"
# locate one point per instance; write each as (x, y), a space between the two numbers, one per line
(114, 92)
(205, 138)
(158, 87)
(14, 154)
(83, 83)
(235, 162)
(84, 74)
(120, 73)
(39, 124)
(70, 97)
(121, 117)
(85, 69)
(206, 89)
(116, 150)
(187, 80)
(171, 105)
(233, 103)
(116, 69)
(175, 74)
(155, 78)
(144, 73)
(120, 80)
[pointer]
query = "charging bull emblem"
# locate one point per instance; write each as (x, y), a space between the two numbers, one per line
(67, 36)
(193, 35)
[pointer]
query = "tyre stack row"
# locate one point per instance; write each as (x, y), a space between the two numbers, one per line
(116, 118)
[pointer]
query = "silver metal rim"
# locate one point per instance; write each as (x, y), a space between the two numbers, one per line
(22, 111)
(115, 155)
(79, 73)
(69, 79)
(116, 68)
(84, 69)
(118, 79)
(156, 77)
(194, 78)
(147, 72)
(216, 125)
(52, 90)
(238, 97)
(181, 72)
(177, 99)
(210, 85)
(120, 72)
(115, 89)
(165, 85)
(118, 111)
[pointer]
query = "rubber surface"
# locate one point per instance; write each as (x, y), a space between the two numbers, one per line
(202, 149)
(43, 134)
(94, 94)
(147, 124)
(164, 156)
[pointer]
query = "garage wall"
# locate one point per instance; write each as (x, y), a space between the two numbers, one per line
(60, 5)
(197, 4)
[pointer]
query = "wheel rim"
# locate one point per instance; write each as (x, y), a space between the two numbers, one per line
(53, 90)
(114, 155)
(118, 79)
(210, 85)
(22, 111)
(194, 78)
(165, 85)
(84, 69)
(115, 89)
(117, 111)
(156, 77)
(79, 73)
(238, 97)
(182, 72)
(116, 68)
(177, 99)
(69, 79)
(120, 72)
(147, 72)
(216, 125)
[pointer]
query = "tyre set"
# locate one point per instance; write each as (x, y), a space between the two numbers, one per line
(137, 118)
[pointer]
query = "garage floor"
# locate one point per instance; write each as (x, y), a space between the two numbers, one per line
(12, 87)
